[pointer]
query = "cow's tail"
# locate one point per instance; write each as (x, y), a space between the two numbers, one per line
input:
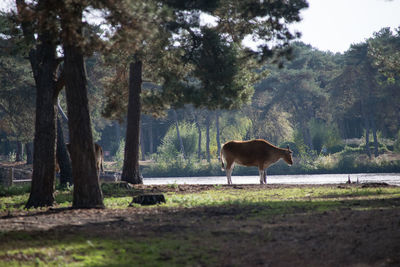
(221, 159)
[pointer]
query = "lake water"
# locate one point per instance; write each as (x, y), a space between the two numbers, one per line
(390, 178)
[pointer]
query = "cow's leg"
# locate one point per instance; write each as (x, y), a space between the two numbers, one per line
(229, 168)
(265, 176)
(261, 172)
(229, 175)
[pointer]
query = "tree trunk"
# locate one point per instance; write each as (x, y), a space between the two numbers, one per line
(42, 186)
(44, 64)
(217, 129)
(376, 143)
(87, 192)
(179, 135)
(208, 138)
(63, 158)
(130, 170)
(307, 138)
(196, 119)
(19, 156)
(366, 122)
(29, 153)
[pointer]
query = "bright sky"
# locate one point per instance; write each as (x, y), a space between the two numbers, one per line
(336, 24)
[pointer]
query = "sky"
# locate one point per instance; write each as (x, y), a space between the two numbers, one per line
(333, 25)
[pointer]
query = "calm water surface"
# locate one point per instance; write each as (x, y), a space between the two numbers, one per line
(390, 178)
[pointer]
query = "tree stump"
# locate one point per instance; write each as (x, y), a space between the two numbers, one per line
(148, 199)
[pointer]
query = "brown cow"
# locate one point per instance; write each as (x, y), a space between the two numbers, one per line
(98, 153)
(259, 153)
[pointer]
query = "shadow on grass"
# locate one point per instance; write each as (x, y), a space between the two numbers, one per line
(186, 236)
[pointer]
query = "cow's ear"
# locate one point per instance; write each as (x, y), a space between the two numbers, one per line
(288, 147)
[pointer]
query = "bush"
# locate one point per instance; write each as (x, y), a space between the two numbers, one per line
(396, 145)
(335, 148)
(180, 167)
(119, 155)
(323, 134)
(14, 190)
(381, 147)
(346, 163)
(170, 145)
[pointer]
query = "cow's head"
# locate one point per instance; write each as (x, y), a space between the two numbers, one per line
(287, 157)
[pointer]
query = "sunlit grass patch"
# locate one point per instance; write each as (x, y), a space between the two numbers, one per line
(79, 251)
(223, 196)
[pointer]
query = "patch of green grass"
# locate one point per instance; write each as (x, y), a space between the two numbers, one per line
(219, 196)
(79, 251)
(180, 246)
(15, 202)
(14, 190)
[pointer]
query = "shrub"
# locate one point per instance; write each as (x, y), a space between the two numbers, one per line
(348, 162)
(323, 134)
(119, 155)
(335, 148)
(396, 145)
(170, 145)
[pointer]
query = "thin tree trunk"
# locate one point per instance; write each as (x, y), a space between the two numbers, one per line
(87, 192)
(208, 138)
(307, 138)
(63, 158)
(29, 153)
(376, 143)
(20, 152)
(196, 119)
(130, 170)
(366, 122)
(179, 135)
(218, 135)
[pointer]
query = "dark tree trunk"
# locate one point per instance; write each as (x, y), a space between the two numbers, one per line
(208, 138)
(87, 192)
(63, 157)
(130, 170)
(42, 186)
(179, 135)
(29, 153)
(19, 156)
(217, 129)
(44, 64)
(196, 119)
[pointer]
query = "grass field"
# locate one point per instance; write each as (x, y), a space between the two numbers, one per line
(242, 225)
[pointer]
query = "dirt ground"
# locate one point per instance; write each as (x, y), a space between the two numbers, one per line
(346, 237)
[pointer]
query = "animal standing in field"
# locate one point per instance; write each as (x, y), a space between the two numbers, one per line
(98, 153)
(259, 153)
